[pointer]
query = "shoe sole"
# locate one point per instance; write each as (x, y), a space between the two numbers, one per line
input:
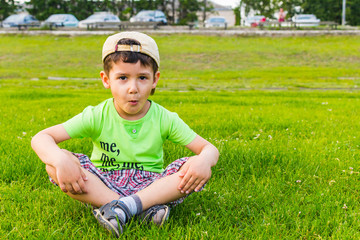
(165, 217)
(105, 223)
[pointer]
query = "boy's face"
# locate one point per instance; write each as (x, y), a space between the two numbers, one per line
(130, 85)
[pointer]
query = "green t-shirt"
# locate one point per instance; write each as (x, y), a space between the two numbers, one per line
(123, 144)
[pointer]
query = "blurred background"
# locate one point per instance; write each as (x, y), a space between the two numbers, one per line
(201, 13)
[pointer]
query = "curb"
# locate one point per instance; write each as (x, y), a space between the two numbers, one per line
(250, 32)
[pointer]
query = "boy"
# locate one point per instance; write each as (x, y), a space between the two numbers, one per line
(124, 176)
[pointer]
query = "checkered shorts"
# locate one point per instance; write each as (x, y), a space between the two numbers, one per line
(129, 181)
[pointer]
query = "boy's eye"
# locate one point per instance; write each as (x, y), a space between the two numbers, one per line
(143, 78)
(122, 78)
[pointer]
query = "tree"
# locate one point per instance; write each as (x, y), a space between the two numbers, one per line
(237, 15)
(173, 11)
(326, 10)
(187, 11)
(288, 6)
(42, 9)
(352, 12)
(7, 7)
(206, 7)
(331, 10)
(145, 5)
(81, 8)
(152, 5)
(121, 8)
(262, 7)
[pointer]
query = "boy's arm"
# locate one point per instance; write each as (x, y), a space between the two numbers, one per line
(69, 175)
(197, 170)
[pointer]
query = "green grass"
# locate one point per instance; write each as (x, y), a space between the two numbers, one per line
(289, 159)
(198, 62)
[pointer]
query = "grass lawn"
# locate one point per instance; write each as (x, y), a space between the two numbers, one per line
(289, 158)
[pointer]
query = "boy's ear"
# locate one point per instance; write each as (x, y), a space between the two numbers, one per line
(156, 79)
(105, 79)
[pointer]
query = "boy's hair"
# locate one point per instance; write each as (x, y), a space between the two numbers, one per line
(129, 57)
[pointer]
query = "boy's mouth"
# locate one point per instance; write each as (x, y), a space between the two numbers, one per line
(133, 102)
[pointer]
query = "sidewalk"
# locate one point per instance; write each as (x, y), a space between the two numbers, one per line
(230, 32)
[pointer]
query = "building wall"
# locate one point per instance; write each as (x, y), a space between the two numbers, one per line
(227, 14)
(219, 11)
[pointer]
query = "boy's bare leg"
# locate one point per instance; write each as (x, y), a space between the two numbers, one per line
(161, 191)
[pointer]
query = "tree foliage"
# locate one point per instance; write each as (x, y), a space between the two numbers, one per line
(261, 7)
(42, 9)
(353, 12)
(269, 7)
(289, 6)
(326, 10)
(187, 10)
(7, 7)
(331, 10)
(237, 15)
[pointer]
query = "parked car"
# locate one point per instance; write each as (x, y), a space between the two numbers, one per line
(98, 18)
(254, 20)
(20, 19)
(216, 22)
(150, 16)
(308, 20)
(62, 20)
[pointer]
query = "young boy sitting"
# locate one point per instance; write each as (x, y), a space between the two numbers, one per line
(124, 176)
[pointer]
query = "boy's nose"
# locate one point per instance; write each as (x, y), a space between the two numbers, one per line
(133, 87)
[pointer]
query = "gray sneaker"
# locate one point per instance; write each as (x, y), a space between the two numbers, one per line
(157, 214)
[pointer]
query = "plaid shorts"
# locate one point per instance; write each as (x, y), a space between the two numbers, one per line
(129, 181)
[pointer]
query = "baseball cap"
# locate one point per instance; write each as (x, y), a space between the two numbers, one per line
(147, 45)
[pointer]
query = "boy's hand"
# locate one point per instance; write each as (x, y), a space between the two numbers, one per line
(62, 165)
(70, 176)
(195, 173)
(197, 170)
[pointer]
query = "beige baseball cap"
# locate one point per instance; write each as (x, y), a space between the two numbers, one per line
(147, 45)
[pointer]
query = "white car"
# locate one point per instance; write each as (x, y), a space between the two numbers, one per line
(99, 18)
(216, 22)
(253, 21)
(305, 20)
(20, 19)
(150, 16)
(62, 20)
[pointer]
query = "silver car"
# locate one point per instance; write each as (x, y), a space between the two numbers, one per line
(62, 20)
(305, 20)
(216, 22)
(20, 19)
(99, 18)
(150, 16)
